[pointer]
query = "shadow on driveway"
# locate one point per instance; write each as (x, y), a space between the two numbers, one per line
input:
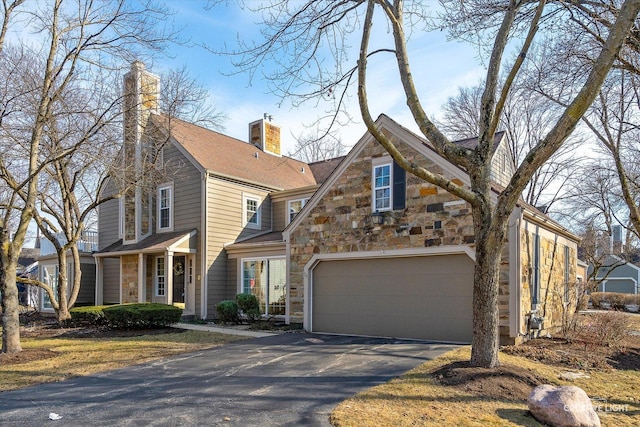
(289, 379)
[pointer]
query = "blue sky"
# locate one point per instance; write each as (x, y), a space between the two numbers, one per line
(439, 67)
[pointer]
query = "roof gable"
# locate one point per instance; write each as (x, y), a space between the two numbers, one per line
(384, 123)
(230, 157)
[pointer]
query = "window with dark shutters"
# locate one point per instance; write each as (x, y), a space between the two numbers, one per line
(399, 187)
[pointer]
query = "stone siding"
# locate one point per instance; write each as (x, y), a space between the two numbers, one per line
(552, 278)
(129, 279)
(341, 220)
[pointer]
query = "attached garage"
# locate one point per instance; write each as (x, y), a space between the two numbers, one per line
(417, 297)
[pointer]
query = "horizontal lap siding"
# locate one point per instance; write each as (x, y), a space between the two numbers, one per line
(225, 225)
(88, 283)
(111, 280)
(109, 213)
(187, 205)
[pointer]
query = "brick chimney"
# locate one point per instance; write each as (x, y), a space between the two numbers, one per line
(265, 135)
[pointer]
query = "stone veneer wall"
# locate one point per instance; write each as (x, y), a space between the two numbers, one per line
(552, 278)
(340, 222)
(129, 279)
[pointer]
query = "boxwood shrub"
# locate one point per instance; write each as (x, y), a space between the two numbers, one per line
(249, 306)
(228, 311)
(90, 314)
(145, 315)
(128, 316)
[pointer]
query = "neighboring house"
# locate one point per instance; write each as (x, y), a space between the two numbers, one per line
(377, 252)
(616, 275)
(352, 245)
(48, 269)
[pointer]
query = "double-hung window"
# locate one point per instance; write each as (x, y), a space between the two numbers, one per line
(251, 208)
(388, 185)
(295, 206)
(160, 277)
(165, 207)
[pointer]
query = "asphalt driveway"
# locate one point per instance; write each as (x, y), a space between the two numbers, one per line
(289, 379)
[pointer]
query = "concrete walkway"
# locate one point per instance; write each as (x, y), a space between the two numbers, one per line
(282, 380)
(223, 330)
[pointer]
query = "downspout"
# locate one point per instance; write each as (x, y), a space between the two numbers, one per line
(203, 250)
(515, 274)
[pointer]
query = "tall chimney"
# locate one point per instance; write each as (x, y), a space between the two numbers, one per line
(265, 135)
(141, 98)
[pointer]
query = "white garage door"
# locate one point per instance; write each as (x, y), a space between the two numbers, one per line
(427, 297)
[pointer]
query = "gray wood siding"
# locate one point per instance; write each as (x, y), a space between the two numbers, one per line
(87, 294)
(108, 219)
(225, 225)
(111, 280)
(502, 168)
(186, 190)
(280, 213)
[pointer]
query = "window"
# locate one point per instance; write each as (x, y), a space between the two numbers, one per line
(121, 217)
(251, 211)
(536, 269)
(295, 206)
(266, 279)
(382, 187)
(50, 277)
(567, 273)
(160, 277)
(165, 208)
(389, 186)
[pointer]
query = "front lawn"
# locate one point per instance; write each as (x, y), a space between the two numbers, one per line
(445, 391)
(51, 355)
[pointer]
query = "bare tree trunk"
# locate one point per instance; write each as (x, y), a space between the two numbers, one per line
(62, 310)
(10, 308)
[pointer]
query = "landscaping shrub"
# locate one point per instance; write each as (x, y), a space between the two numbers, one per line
(597, 298)
(228, 311)
(630, 299)
(249, 306)
(616, 300)
(606, 328)
(91, 315)
(146, 315)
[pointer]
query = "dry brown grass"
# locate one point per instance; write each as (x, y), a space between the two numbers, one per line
(417, 399)
(72, 357)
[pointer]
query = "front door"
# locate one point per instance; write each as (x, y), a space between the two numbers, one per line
(179, 266)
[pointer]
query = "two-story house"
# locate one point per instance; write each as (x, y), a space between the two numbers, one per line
(352, 245)
(164, 241)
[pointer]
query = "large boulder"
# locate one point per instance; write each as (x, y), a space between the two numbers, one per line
(563, 406)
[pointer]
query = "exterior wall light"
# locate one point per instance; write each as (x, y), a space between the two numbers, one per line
(377, 218)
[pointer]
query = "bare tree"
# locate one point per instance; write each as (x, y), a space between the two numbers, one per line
(313, 148)
(525, 119)
(297, 33)
(79, 37)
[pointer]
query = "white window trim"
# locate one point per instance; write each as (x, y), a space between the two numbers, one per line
(156, 288)
(376, 163)
(161, 187)
(288, 218)
(121, 218)
(267, 259)
(245, 223)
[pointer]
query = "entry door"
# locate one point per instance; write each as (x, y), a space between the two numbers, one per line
(179, 266)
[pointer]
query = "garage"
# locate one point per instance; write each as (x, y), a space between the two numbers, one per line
(417, 297)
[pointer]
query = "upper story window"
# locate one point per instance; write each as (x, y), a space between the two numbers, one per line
(388, 185)
(251, 208)
(382, 187)
(165, 207)
(295, 206)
